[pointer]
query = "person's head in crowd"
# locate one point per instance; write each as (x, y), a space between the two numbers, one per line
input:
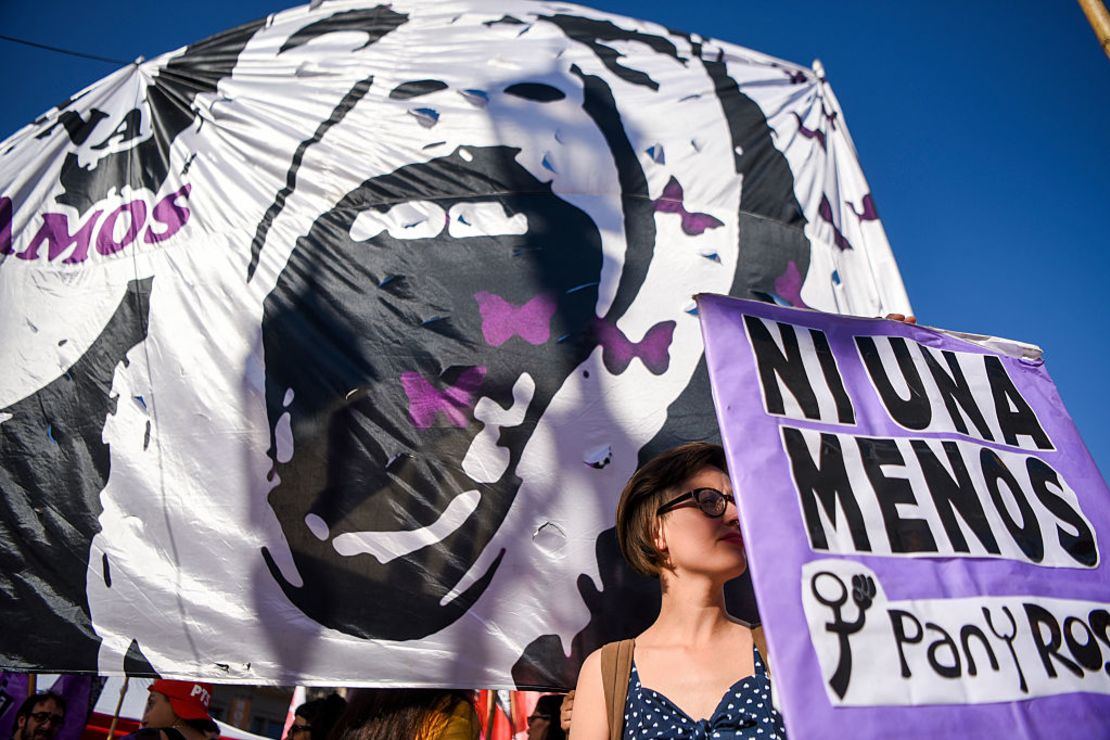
(543, 722)
(39, 717)
(314, 719)
(180, 705)
(653, 491)
(425, 714)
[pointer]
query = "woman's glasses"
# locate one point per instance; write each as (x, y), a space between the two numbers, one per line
(711, 502)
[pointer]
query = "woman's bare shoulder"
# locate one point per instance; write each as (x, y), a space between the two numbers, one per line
(592, 663)
(590, 719)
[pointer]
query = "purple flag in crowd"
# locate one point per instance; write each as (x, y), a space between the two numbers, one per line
(80, 693)
(13, 690)
(924, 526)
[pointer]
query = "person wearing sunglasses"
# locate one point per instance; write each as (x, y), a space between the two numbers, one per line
(694, 670)
(314, 719)
(39, 717)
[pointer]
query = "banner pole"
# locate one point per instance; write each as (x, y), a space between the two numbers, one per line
(32, 683)
(119, 707)
(1099, 19)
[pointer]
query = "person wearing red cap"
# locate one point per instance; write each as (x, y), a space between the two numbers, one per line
(179, 709)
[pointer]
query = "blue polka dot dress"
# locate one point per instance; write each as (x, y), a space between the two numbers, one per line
(745, 712)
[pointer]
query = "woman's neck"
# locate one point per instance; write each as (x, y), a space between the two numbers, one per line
(692, 611)
(189, 733)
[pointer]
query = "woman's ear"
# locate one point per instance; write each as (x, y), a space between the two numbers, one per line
(658, 536)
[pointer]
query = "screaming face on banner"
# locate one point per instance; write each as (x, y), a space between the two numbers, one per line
(344, 347)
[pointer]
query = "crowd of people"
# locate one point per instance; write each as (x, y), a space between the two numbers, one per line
(179, 709)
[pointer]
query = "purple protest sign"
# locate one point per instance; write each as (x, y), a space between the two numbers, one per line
(13, 690)
(925, 528)
(80, 692)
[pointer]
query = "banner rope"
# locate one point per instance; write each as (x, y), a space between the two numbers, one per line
(60, 50)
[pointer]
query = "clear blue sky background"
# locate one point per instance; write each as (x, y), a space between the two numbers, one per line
(982, 127)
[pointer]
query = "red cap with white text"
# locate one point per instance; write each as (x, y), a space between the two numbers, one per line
(189, 699)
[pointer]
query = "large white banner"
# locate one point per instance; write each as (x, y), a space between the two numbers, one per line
(329, 341)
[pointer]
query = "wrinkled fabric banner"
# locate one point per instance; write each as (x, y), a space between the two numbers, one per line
(926, 530)
(330, 340)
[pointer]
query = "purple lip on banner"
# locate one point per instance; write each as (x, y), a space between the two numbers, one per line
(618, 351)
(502, 320)
(426, 402)
(789, 285)
(868, 212)
(827, 215)
(671, 201)
(811, 133)
(5, 225)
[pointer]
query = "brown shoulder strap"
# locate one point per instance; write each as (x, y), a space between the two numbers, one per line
(761, 645)
(616, 667)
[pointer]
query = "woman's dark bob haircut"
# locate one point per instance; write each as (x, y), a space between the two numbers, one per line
(647, 490)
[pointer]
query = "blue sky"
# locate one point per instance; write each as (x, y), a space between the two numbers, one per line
(980, 127)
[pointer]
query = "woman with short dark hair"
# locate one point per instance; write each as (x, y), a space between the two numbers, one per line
(314, 719)
(695, 672)
(177, 710)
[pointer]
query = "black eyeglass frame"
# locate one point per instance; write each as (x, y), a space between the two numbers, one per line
(43, 717)
(701, 502)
